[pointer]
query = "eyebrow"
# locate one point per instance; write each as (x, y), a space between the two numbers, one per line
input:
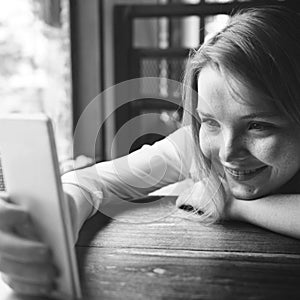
(250, 116)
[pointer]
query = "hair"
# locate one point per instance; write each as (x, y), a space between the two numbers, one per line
(259, 48)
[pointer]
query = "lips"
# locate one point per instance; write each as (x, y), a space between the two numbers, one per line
(244, 174)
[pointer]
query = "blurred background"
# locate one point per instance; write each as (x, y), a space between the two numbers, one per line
(35, 69)
(58, 55)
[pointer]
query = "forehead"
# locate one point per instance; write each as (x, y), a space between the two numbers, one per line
(215, 93)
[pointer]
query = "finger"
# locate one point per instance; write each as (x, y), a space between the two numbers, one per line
(29, 272)
(4, 196)
(26, 230)
(22, 249)
(15, 218)
(11, 214)
(26, 288)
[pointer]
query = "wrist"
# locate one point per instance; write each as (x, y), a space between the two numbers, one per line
(234, 209)
(71, 204)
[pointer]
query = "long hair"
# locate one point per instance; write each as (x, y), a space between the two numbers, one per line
(259, 49)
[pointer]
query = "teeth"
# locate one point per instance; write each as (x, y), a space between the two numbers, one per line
(240, 173)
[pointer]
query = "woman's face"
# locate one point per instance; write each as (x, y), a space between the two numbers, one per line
(256, 147)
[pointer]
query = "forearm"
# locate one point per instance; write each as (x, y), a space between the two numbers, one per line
(84, 196)
(279, 213)
(80, 208)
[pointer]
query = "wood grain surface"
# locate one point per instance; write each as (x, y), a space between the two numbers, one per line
(151, 252)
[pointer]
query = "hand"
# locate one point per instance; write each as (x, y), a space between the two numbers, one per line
(206, 197)
(24, 260)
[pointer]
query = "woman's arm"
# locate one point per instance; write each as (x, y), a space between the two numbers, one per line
(279, 213)
(129, 177)
(79, 206)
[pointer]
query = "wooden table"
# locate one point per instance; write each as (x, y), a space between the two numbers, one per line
(149, 252)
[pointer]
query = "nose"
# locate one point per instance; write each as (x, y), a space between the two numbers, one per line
(233, 147)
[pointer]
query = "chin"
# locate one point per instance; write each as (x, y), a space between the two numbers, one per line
(247, 194)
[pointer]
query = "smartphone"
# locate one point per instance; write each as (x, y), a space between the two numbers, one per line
(32, 179)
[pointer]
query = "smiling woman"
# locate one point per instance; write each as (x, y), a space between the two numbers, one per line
(248, 124)
(256, 146)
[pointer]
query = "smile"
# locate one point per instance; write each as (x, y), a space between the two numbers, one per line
(244, 174)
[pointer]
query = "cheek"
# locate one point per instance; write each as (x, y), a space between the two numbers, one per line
(266, 151)
(275, 150)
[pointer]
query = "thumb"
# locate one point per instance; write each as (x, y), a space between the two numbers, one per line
(10, 214)
(27, 230)
(14, 218)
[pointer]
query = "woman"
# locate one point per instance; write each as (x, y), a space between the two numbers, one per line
(244, 124)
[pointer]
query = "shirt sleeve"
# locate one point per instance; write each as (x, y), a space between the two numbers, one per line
(139, 173)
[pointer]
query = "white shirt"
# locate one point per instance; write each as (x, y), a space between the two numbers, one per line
(139, 173)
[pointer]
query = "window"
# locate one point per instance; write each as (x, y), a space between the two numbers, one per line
(35, 63)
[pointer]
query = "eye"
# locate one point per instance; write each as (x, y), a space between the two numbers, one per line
(210, 122)
(259, 126)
